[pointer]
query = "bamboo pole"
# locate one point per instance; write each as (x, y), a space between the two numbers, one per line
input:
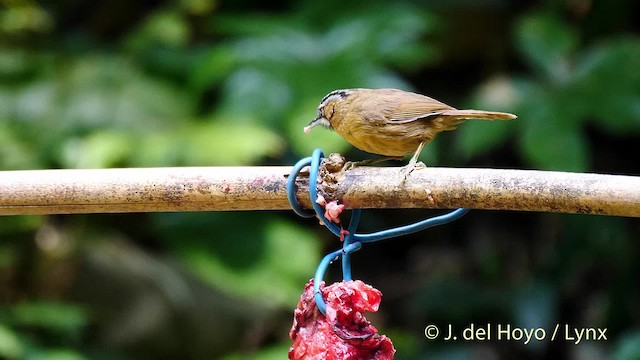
(263, 188)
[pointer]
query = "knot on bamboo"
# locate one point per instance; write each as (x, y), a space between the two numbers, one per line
(330, 174)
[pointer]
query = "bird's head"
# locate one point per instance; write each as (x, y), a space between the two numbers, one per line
(326, 109)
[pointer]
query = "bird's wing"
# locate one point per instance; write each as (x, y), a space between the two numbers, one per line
(409, 118)
(388, 106)
(412, 108)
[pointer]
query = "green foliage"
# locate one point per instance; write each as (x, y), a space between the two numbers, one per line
(571, 90)
(10, 345)
(61, 318)
(299, 63)
(271, 353)
(249, 256)
(32, 324)
(547, 44)
(535, 308)
(628, 348)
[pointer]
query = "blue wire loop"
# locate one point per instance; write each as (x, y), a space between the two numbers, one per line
(352, 241)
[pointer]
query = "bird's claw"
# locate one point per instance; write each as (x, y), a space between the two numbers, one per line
(406, 170)
(349, 165)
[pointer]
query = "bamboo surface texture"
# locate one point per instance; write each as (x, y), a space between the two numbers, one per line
(264, 188)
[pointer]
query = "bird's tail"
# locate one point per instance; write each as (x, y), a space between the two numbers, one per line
(477, 114)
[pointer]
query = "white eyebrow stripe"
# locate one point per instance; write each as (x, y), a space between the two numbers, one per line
(336, 94)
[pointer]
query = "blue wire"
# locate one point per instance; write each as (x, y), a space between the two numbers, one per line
(322, 268)
(411, 228)
(291, 189)
(346, 257)
(352, 241)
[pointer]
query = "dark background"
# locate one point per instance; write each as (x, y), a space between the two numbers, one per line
(199, 83)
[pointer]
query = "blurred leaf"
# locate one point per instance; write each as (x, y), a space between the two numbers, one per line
(249, 24)
(591, 86)
(192, 232)
(10, 345)
(166, 27)
(16, 154)
(96, 91)
(34, 102)
(535, 307)
(249, 83)
(101, 149)
(431, 155)
(628, 347)
(394, 32)
(276, 352)
(550, 124)
(160, 148)
(8, 253)
(273, 70)
(455, 300)
(24, 16)
(547, 43)
(500, 93)
(18, 225)
(600, 240)
(254, 257)
(404, 339)
(551, 147)
(59, 354)
(212, 66)
(62, 318)
(198, 7)
(604, 81)
(283, 47)
(15, 64)
(86, 95)
(230, 141)
(476, 138)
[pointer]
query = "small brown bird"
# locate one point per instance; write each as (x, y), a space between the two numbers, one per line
(391, 122)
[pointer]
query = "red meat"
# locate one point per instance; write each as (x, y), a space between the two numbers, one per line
(344, 333)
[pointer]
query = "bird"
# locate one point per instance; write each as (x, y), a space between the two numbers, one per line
(391, 122)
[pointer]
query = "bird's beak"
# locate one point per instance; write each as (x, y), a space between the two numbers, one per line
(320, 120)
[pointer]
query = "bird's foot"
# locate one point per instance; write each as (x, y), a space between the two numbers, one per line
(349, 165)
(406, 170)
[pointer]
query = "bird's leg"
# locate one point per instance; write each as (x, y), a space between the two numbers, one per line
(354, 164)
(413, 163)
